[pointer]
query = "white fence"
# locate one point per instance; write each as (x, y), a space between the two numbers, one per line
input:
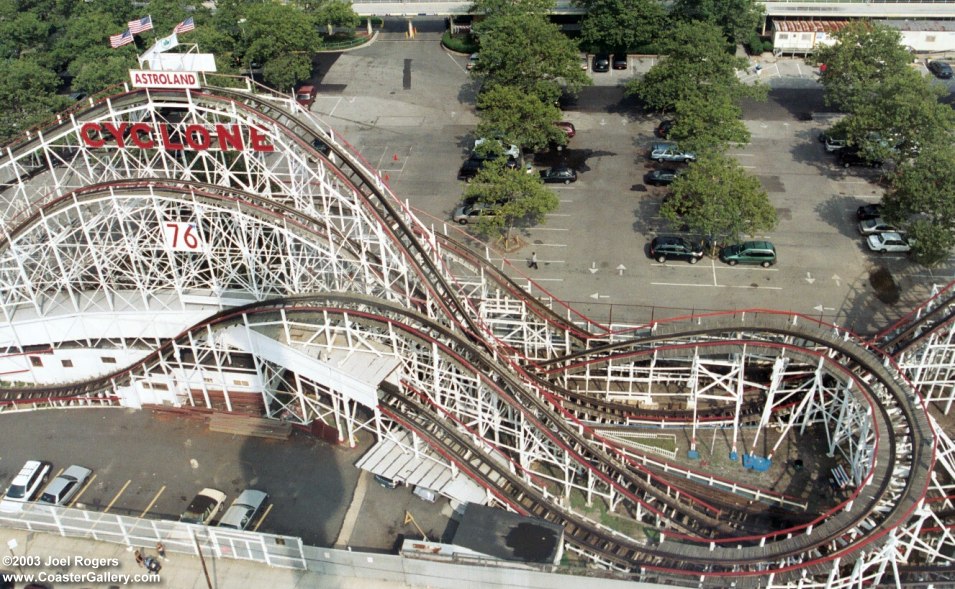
(270, 549)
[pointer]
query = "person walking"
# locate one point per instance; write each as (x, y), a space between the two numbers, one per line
(533, 262)
(139, 557)
(161, 549)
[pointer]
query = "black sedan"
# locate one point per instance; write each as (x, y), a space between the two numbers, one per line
(661, 177)
(940, 69)
(619, 61)
(558, 175)
(866, 212)
(601, 63)
(851, 157)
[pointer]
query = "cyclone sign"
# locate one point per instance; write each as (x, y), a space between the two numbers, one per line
(193, 137)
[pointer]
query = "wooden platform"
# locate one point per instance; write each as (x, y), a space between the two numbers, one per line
(246, 425)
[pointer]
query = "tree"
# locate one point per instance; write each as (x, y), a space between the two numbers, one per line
(902, 115)
(525, 50)
(920, 202)
(865, 56)
(27, 95)
(697, 65)
(704, 123)
(284, 36)
(519, 117)
(336, 13)
(739, 19)
(718, 199)
(519, 198)
(623, 24)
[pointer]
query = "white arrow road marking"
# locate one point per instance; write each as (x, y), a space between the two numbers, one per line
(809, 278)
(837, 279)
(620, 269)
(597, 295)
(593, 268)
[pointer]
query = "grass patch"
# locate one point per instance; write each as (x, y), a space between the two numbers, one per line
(461, 43)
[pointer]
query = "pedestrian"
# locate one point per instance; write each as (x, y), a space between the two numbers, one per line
(152, 565)
(759, 69)
(161, 549)
(533, 262)
(139, 557)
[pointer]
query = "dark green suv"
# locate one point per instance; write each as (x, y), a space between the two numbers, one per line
(667, 247)
(749, 252)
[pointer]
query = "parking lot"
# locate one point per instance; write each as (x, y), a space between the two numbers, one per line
(407, 106)
(151, 467)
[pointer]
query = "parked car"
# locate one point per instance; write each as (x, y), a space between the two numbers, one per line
(305, 96)
(474, 164)
(877, 225)
(868, 212)
(834, 144)
(619, 61)
(567, 127)
(386, 482)
(559, 175)
(66, 486)
(669, 247)
(851, 157)
(888, 243)
(749, 252)
(244, 509)
(472, 61)
(940, 69)
(663, 129)
(468, 213)
(510, 150)
(584, 62)
(203, 507)
(670, 152)
(661, 177)
(601, 63)
(25, 485)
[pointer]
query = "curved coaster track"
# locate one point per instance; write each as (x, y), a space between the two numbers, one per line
(222, 245)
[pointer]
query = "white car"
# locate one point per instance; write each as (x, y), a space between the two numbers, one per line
(888, 242)
(511, 151)
(25, 485)
(877, 225)
(203, 507)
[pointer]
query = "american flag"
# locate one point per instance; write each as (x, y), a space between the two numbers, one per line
(143, 24)
(185, 26)
(124, 38)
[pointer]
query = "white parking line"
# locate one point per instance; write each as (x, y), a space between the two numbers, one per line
(559, 215)
(716, 285)
(547, 229)
(548, 279)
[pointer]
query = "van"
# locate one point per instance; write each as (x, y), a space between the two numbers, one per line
(305, 96)
(25, 485)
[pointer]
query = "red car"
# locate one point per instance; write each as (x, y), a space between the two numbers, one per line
(567, 128)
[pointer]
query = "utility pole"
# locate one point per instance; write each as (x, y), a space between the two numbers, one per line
(202, 559)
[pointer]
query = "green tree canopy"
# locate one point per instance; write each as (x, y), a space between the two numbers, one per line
(336, 13)
(283, 39)
(903, 115)
(521, 118)
(712, 122)
(865, 57)
(27, 95)
(717, 197)
(521, 199)
(526, 51)
(698, 64)
(920, 202)
(737, 18)
(621, 24)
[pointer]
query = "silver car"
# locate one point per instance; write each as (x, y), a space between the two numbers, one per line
(670, 152)
(66, 486)
(468, 213)
(244, 509)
